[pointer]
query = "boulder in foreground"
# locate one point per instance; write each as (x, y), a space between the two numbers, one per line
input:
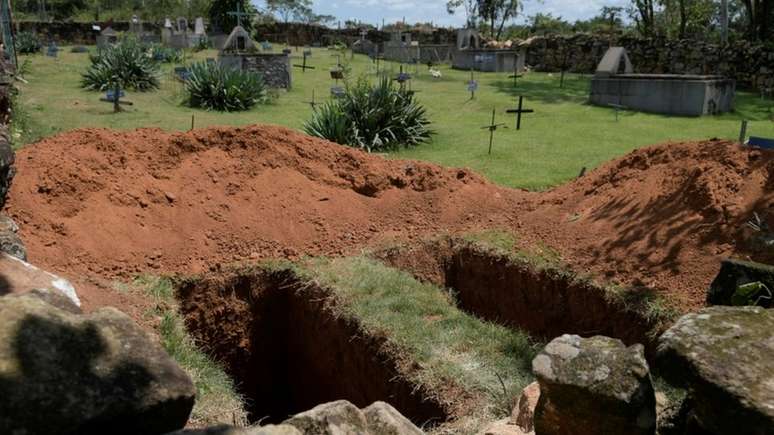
(593, 386)
(66, 373)
(725, 355)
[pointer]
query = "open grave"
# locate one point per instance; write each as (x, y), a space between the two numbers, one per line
(529, 293)
(295, 338)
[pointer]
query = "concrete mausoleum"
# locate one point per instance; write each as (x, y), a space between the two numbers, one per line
(240, 51)
(470, 54)
(615, 83)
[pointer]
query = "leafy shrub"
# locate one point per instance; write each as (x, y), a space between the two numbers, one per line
(372, 117)
(163, 54)
(125, 64)
(212, 86)
(28, 43)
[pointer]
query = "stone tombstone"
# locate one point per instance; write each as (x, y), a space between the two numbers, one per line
(199, 28)
(167, 23)
(135, 25)
(468, 39)
(107, 37)
(238, 41)
(182, 25)
(615, 61)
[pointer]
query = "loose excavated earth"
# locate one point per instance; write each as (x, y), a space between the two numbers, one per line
(98, 204)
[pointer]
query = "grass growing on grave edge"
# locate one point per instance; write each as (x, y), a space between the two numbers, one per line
(217, 401)
(561, 137)
(452, 347)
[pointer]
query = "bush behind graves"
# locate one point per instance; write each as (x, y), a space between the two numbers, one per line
(28, 43)
(125, 64)
(163, 54)
(372, 117)
(212, 86)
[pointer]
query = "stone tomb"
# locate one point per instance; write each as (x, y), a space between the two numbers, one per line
(107, 37)
(180, 36)
(470, 54)
(240, 51)
(615, 83)
(402, 48)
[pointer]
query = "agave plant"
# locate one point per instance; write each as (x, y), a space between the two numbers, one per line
(126, 65)
(28, 43)
(372, 117)
(212, 86)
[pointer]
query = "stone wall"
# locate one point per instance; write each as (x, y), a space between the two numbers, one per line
(750, 65)
(274, 67)
(76, 33)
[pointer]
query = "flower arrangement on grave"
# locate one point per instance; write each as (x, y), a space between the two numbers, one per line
(372, 117)
(163, 54)
(213, 86)
(125, 64)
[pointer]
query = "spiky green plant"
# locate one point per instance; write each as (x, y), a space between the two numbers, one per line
(375, 117)
(125, 64)
(212, 86)
(28, 43)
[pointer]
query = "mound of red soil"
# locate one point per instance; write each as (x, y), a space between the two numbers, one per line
(114, 204)
(662, 216)
(106, 204)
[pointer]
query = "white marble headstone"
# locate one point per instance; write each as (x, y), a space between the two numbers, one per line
(199, 26)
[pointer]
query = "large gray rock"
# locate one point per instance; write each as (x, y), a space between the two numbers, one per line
(334, 418)
(65, 373)
(383, 419)
(10, 243)
(342, 417)
(19, 277)
(593, 386)
(725, 355)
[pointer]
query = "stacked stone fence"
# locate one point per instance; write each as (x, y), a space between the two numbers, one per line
(751, 65)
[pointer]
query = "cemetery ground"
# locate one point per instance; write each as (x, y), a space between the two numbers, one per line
(563, 136)
(341, 255)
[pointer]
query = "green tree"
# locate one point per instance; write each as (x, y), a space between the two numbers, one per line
(221, 14)
(289, 8)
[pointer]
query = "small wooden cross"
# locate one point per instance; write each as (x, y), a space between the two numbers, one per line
(114, 96)
(617, 108)
(492, 127)
(472, 86)
(519, 111)
(304, 67)
(313, 103)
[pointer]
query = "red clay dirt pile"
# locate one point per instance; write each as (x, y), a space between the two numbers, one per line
(112, 204)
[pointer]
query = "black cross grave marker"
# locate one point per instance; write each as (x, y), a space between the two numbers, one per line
(114, 96)
(519, 111)
(239, 14)
(313, 103)
(304, 66)
(492, 127)
(617, 108)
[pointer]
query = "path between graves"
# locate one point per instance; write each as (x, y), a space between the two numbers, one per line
(99, 205)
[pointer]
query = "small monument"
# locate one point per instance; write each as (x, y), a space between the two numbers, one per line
(135, 25)
(470, 54)
(240, 51)
(616, 85)
(199, 28)
(107, 37)
(239, 41)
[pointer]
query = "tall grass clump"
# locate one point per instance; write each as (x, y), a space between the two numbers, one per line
(125, 64)
(373, 117)
(213, 86)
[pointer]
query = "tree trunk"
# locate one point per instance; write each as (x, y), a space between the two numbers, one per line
(683, 18)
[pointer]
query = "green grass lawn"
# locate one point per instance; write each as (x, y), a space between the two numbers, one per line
(564, 135)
